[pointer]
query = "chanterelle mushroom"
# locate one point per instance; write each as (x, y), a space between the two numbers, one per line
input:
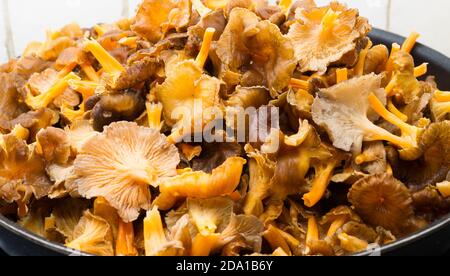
(382, 200)
(22, 171)
(259, 45)
(347, 109)
(324, 35)
(120, 163)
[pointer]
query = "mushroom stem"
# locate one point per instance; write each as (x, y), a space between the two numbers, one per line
(312, 233)
(392, 108)
(125, 240)
(202, 245)
(154, 112)
(352, 244)
(441, 96)
(90, 72)
(390, 87)
(320, 184)
(410, 42)
(301, 84)
(56, 90)
(154, 235)
(85, 88)
(390, 63)
(276, 240)
(67, 70)
(359, 68)
(108, 62)
(337, 223)
(206, 46)
(341, 75)
(421, 70)
(364, 158)
(388, 116)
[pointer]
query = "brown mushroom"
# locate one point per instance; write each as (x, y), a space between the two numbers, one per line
(382, 200)
(124, 159)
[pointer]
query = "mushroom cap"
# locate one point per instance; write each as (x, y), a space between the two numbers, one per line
(344, 111)
(184, 88)
(382, 200)
(54, 145)
(434, 166)
(22, 171)
(120, 163)
(313, 49)
(259, 45)
(92, 235)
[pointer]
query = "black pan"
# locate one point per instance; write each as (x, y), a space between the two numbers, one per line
(432, 241)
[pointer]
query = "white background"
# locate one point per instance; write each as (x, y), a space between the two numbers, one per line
(29, 19)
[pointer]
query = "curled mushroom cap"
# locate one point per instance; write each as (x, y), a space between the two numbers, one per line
(54, 145)
(210, 215)
(92, 235)
(188, 92)
(154, 18)
(120, 163)
(9, 104)
(382, 200)
(435, 163)
(440, 105)
(197, 184)
(324, 35)
(22, 171)
(404, 82)
(260, 45)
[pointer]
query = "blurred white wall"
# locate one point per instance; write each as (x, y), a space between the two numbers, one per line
(29, 19)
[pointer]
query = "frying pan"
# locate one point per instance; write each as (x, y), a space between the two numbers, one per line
(434, 240)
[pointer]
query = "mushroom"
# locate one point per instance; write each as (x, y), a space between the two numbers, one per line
(338, 217)
(188, 95)
(124, 160)
(92, 235)
(382, 200)
(210, 215)
(376, 59)
(324, 35)
(78, 133)
(34, 121)
(348, 119)
(9, 101)
(53, 145)
(197, 184)
(125, 106)
(434, 165)
(440, 106)
(22, 173)
(156, 241)
(373, 158)
(67, 214)
(258, 45)
(403, 81)
(154, 18)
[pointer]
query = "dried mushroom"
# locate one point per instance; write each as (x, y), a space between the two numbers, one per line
(92, 235)
(382, 200)
(324, 35)
(124, 158)
(22, 172)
